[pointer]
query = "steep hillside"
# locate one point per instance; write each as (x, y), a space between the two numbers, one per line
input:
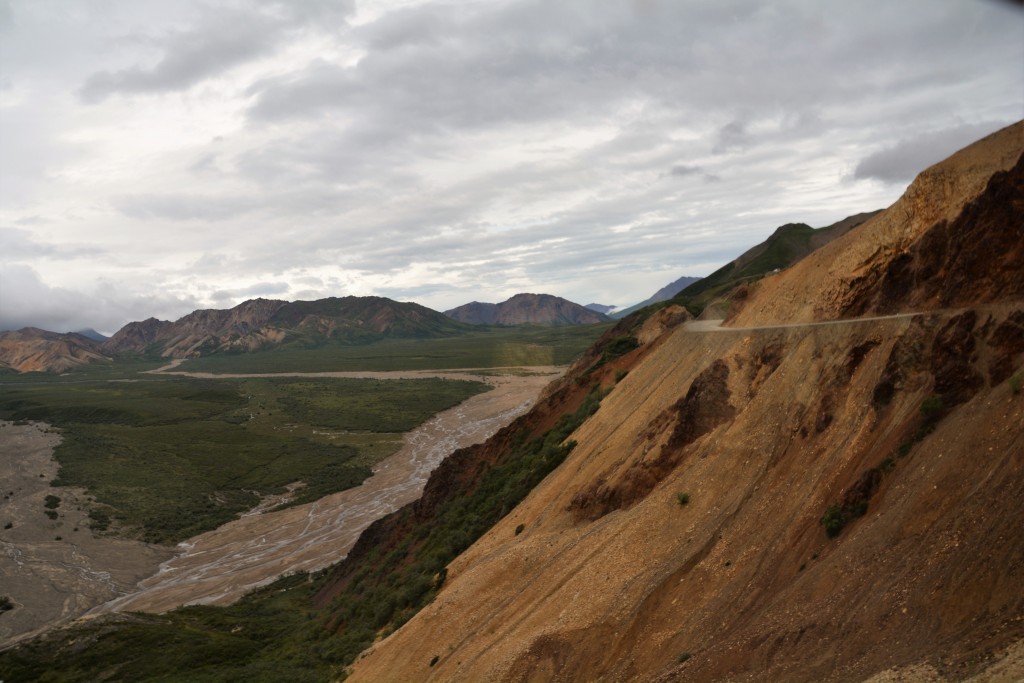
(527, 309)
(663, 294)
(941, 232)
(34, 350)
(786, 246)
(826, 502)
(262, 323)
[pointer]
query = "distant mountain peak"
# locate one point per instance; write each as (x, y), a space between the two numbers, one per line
(663, 294)
(90, 333)
(527, 309)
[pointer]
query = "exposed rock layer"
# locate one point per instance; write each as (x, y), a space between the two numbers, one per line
(34, 350)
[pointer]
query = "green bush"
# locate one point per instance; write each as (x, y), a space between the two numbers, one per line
(683, 498)
(833, 520)
(619, 346)
(683, 656)
(931, 408)
(5, 603)
(52, 502)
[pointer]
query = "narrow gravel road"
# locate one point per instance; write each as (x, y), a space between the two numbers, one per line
(716, 325)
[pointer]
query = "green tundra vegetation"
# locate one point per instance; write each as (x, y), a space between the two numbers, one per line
(275, 633)
(483, 347)
(166, 459)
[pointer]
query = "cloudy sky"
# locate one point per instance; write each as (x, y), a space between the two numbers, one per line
(157, 157)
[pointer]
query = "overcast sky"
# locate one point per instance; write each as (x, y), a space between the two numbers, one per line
(157, 157)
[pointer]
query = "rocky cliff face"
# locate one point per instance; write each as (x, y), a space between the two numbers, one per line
(818, 502)
(34, 350)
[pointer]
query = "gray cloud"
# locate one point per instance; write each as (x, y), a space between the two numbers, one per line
(27, 301)
(221, 40)
(189, 57)
(6, 15)
(899, 163)
(185, 207)
(260, 289)
(682, 170)
(686, 171)
(18, 245)
(732, 136)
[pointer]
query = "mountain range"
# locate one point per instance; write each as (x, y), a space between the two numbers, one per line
(253, 325)
(265, 323)
(261, 324)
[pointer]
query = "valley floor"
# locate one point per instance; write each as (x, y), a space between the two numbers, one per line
(56, 570)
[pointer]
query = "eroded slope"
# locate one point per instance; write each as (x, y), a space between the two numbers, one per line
(853, 489)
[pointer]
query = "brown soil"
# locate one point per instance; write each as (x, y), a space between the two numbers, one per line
(54, 569)
(744, 577)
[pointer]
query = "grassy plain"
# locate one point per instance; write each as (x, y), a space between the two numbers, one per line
(169, 458)
(486, 347)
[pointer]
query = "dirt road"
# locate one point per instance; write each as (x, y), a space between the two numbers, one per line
(716, 325)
